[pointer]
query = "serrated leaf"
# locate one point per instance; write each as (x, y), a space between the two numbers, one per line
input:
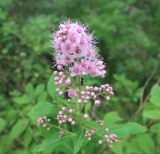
(24, 99)
(42, 97)
(18, 128)
(131, 147)
(145, 143)
(128, 129)
(42, 109)
(155, 128)
(89, 123)
(29, 89)
(50, 143)
(67, 147)
(39, 89)
(27, 138)
(152, 114)
(78, 141)
(118, 147)
(89, 149)
(111, 118)
(87, 107)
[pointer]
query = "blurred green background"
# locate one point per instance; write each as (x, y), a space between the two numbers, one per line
(127, 32)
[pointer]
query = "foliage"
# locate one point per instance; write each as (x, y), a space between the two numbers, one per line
(128, 35)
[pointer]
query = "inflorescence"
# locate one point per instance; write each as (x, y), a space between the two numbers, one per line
(76, 57)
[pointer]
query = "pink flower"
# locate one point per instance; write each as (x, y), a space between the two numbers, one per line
(75, 48)
(72, 93)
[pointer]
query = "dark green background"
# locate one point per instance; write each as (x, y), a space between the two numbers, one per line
(128, 36)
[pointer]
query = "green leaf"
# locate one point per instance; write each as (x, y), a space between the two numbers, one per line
(50, 143)
(27, 138)
(131, 147)
(89, 148)
(127, 129)
(25, 99)
(89, 123)
(155, 95)
(42, 109)
(118, 147)
(155, 128)
(78, 141)
(152, 114)
(42, 97)
(29, 89)
(2, 124)
(111, 118)
(39, 89)
(51, 87)
(18, 128)
(67, 147)
(87, 107)
(145, 143)
(158, 138)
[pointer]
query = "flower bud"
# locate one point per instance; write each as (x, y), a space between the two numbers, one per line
(97, 102)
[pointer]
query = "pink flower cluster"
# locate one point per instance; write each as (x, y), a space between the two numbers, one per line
(65, 115)
(94, 93)
(110, 139)
(43, 122)
(94, 68)
(61, 79)
(89, 134)
(75, 48)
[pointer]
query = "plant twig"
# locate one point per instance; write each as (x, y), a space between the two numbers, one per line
(142, 99)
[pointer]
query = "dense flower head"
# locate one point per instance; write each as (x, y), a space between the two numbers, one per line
(75, 56)
(75, 48)
(65, 116)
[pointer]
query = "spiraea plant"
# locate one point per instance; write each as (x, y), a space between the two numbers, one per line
(76, 58)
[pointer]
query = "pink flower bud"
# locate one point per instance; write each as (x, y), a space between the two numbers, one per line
(55, 72)
(60, 112)
(79, 101)
(60, 73)
(60, 121)
(59, 67)
(89, 138)
(97, 102)
(100, 142)
(92, 93)
(56, 78)
(106, 129)
(60, 92)
(87, 87)
(70, 111)
(68, 82)
(70, 119)
(73, 123)
(96, 88)
(82, 92)
(60, 82)
(72, 93)
(94, 97)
